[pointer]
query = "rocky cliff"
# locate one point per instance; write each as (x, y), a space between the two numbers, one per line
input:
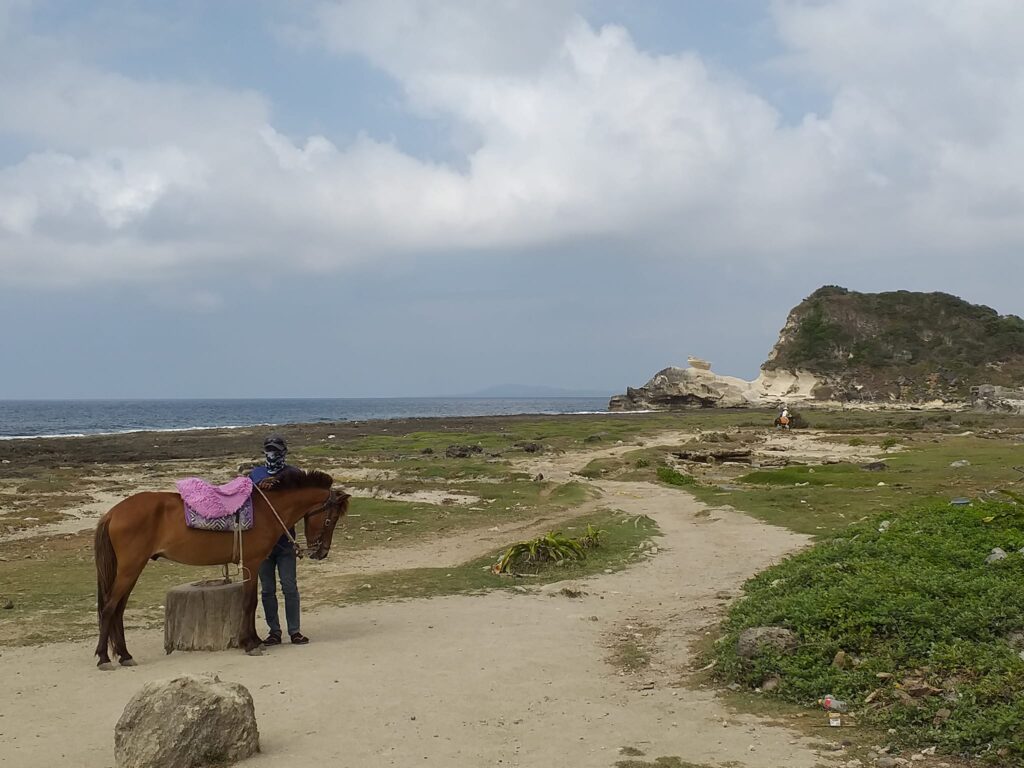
(840, 346)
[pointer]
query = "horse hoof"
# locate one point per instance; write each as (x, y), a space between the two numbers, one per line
(129, 663)
(257, 651)
(106, 666)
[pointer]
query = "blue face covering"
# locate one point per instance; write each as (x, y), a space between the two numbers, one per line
(275, 460)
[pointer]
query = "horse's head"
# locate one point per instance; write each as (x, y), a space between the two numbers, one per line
(321, 522)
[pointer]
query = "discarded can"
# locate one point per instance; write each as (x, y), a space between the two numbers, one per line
(834, 719)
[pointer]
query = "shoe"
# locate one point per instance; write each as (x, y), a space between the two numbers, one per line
(274, 638)
(299, 639)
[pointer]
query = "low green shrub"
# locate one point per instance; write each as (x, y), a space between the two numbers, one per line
(672, 477)
(912, 602)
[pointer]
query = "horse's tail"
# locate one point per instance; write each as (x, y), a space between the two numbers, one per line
(106, 563)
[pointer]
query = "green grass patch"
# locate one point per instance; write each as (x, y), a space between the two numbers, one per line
(619, 547)
(917, 602)
(823, 499)
(840, 475)
(671, 476)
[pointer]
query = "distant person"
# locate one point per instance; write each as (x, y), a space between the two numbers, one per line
(281, 558)
(783, 420)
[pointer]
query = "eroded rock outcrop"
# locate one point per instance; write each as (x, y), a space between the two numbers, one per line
(988, 397)
(703, 388)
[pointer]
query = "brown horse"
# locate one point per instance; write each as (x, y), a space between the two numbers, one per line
(152, 525)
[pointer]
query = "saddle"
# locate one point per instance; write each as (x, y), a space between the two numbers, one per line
(217, 507)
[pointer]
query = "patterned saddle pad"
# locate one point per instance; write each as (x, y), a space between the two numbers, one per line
(225, 523)
(215, 500)
(215, 507)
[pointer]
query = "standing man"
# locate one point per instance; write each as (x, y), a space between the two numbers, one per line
(281, 559)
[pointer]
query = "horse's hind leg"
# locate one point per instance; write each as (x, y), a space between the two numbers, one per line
(111, 629)
(117, 631)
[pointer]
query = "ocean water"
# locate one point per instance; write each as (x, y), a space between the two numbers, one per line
(46, 418)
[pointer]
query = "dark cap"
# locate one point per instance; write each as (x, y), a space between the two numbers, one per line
(275, 443)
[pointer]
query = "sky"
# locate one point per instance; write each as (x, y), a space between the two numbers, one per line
(359, 198)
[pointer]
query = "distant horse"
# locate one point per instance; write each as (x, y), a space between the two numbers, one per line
(151, 525)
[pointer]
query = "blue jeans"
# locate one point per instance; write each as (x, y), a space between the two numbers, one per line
(284, 564)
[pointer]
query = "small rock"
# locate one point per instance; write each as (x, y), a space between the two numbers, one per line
(875, 466)
(928, 751)
(997, 554)
(840, 661)
(917, 758)
(884, 526)
(752, 642)
(770, 684)
(885, 762)
(941, 716)
(960, 463)
(6, 605)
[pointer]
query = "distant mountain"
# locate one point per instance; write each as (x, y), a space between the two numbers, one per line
(534, 390)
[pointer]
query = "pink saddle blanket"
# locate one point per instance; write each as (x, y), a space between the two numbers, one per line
(215, 501)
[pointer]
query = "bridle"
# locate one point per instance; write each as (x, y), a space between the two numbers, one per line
(333, 506)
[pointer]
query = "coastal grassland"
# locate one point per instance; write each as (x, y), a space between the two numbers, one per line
(620, 546)
(51, 580)
(53, 584)
(374, 521)
(819, 500)
(927, 626)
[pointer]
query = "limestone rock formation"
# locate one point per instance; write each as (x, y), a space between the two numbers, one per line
(673, 388)
(686, 387)
(192, 721)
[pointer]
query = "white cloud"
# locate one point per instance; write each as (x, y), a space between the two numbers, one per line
(578, 134)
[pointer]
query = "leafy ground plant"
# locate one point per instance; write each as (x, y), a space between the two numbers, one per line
(552, 547)
(930, 626)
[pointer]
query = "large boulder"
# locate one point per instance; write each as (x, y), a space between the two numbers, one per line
(756, 640)
(192, 721)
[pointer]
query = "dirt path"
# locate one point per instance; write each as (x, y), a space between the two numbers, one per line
(500, 679)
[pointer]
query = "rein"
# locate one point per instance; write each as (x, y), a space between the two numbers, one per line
(327, 523)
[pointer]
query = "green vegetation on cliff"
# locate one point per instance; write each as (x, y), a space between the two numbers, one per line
(900, 344)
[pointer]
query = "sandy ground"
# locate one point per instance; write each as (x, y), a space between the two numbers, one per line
(510, 679)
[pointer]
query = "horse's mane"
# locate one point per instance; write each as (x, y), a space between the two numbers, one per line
(292, 477)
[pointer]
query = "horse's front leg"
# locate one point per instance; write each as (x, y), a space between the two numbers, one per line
(247, 638)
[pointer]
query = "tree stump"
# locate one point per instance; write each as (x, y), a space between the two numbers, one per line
(203, 616)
